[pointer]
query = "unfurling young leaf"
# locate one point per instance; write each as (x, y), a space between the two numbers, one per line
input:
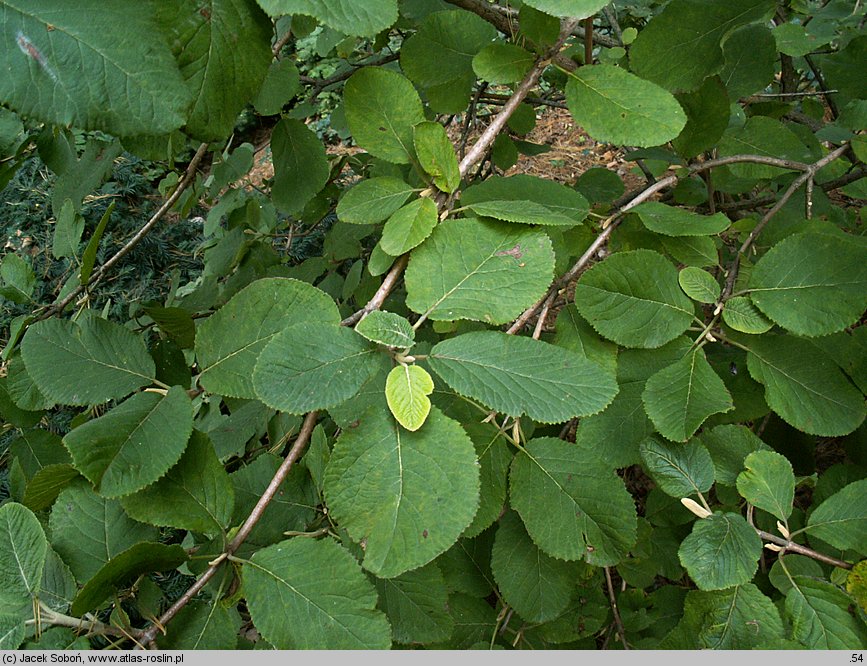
(406, 391)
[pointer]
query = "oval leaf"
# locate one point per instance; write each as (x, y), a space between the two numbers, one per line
(300, 165)
(722, 551)
(680, 470)
(502, 63)
(671, 221)
(346, 16)
(841, 520)
(23, 549)
(554, 197)
(406, 390)
(373, 200)
(436, 155)
(699, 285)
(409, 226)
(387, 329)
(769, 483)
(740, 313)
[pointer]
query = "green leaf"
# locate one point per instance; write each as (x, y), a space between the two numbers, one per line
(740, 313)
(707, 117)
(417, 605)
(19, 280)
(88, 530)
(406, 390)
(220, 76)
(229, 341)
(502, 63)
(46, 49)
(12, 413)
(381, 109)
(373, 200)
(841, 520)
(679, 470)
(387, 328)
(346, 16)
(523, 212)
(312, 595)
(804, 386)
(108, 361)
(615, 106)
(692, 250)
(729, 445)
(313, 366)
(818, 612)
(679, 398)
(750, 57)
(794, 40)
(88, 257)
(558, 200)
(300, 165)
(12, 632)
(765, 137)
(195, 494)
(826, 294)
(409, 227)
(680, 47)
(518, 375)
(572, 502)
(406, 495)
(672, 221)
(795, 565)
(567, 8)
(494, 456)
(202, 626)
(722, 551)
(437, 156)
(281, 84)
(769, 483)
(634, 299)
(67, 232)
(134, 444)
(699, 285)
(46, 484)
(573, 332)
(140, 559)
(23, 549)
(484, 271)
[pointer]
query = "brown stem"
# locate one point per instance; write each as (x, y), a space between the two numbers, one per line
(588, 41)
(802, 550)
(388, 284)
(617, 620)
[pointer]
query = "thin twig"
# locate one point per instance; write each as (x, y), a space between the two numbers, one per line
(280, 43)
(388, 284)
(617, 621)
(787, 545)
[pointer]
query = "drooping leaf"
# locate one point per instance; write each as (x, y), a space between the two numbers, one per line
(826, 294)
(23, 549)
(346, 16)
(567, 8)
(107, 360)
(497, 272)
(502, 63)
(679, 398)
(195, 494)
(518, 375)
(306, 595)
(679, 470)
(381, 109)
(555, 197)
(67, 232)
(416, 604)
(699, 285)
(722, 551)
(615, 106)
(88, 530)
(436, 155)
(373, 200)
(409, 226)
(672, 221)
(804, 386)
(740, 313)
(313, 366)
(134, 444)
(46, 48)
(406, 391)
(768, 483)
(634, 299)
(387, 328)
(820, 618)
(841, 520)
(300, 165)
(573, 504)
(202, 626)
(406, 495)
(229, 341)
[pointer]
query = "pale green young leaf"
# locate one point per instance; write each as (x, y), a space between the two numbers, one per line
(672, 221)
(634, 299)
(67, 231)
(536, 585)
(229, 341)
(133, 444)
(417, 605)
(573, 504)
(729, 445)
(484, 271)
(88, 530)
(107, 360)
(679, 470)
(518, 375)
(195, 494)
(554, 197)
(436, 155)
(391, 488)
(841, 520)
(722, 551)
(679, 398)
(406, 390)
(300, 165)
(409, 226)
(502, 63)
(804, 386)
(373, 200)
(769, 483)
(826, 294)
(615, 106)
(381, 109)
(313, 366)
(740, 313)
(362, 19)
(202, 626)
(820, 617)
(699, 285)
(567, 8)
(23, 549)
(387, 328)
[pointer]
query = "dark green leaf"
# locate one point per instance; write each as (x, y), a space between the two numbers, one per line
(769, 483)
(672, 221)
(721, 552)
(680, 470)
(417, 605)
(300, 165)
(23, 549)
(841, 520)
(819, 613)
(349, 17)
(373, 200)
